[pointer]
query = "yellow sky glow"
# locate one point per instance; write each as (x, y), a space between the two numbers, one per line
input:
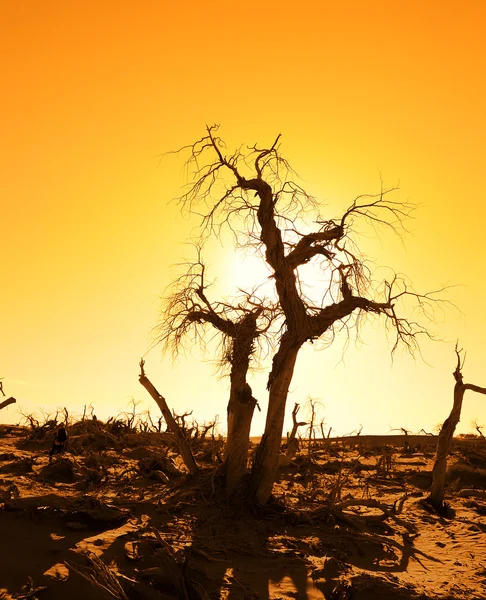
(93, 94)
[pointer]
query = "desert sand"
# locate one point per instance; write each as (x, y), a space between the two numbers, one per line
(116, 516)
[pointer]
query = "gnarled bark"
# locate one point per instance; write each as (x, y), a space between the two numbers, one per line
(240, 414)
(241, 403)
(444, 445)
(266, 459)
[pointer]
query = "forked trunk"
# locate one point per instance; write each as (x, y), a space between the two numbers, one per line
(266, 459)
(240, 414)
(444, 444)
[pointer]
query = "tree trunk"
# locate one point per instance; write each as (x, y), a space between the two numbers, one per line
(7, 402)
(240, 414)
(266, 460)
(446, 435)
(172, 425)
(241, 404)
(444, 444)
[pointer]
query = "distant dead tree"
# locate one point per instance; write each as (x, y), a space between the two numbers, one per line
(91, 412)
(243, 323)
(325, 439)
(478, 428)
(313, 406)
(253, 192)
(406, 433)
(292, 441)
(446, 434)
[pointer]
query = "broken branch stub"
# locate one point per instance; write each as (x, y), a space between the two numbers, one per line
(172, 425)
(293, 443)
(7, 402)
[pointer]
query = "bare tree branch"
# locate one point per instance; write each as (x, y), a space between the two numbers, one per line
(253, 192)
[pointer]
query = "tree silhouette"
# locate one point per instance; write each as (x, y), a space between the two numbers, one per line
(444, 443)
(243, 324)
(253, 192)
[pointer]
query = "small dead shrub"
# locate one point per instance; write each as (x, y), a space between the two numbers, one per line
(467, 476)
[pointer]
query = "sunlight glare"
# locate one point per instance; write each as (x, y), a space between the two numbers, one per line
(249, 272)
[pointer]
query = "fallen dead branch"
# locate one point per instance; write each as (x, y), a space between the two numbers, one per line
(388, 512)
(339, 510)
(466, 493)
(100, 576)
(165, 556)
(30, 590)
(372, 503)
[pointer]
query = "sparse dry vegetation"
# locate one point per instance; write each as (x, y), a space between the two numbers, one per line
(129, 521)
(141, 507)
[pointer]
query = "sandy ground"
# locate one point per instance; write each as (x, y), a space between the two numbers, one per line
(141, 530)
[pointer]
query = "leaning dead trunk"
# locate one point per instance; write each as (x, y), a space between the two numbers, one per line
(7, 402)
(444, 445)
(172, 425)
(446, 435)
(266, 460)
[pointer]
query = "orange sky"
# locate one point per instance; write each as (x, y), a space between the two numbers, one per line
(94, 92)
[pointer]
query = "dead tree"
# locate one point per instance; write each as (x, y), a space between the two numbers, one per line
(479, 429)
(262, 203)
(406, 433)
(172, 426)
(312, 433)
(325, 439)
(446, 434)
(295, 424)
(292, 441)
(242, 323)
